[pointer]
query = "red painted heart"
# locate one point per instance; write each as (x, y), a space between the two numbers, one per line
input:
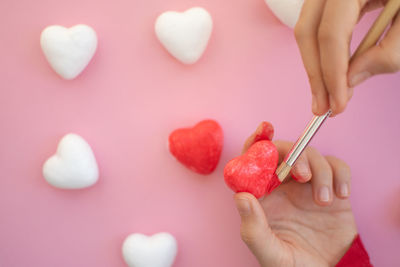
(254, 171)
(198, 148)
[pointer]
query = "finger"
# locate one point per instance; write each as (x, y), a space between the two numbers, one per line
(283, 148)
(334, 35)
(301, 171)
(306, 31)
(321, 180)
(255, 230)
(264, 131)
(350, 93)
(372, 5)
(383, 58)
(342, 175)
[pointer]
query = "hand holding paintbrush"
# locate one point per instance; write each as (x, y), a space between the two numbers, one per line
(252, 172)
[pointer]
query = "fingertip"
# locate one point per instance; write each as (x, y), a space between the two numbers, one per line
(323, 204)
(324, 196)
(337, 105)
(243, 195)
(342, 177)
(301, 172)
(342, 190)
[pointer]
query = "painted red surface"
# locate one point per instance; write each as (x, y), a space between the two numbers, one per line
(254, 171)
(198, 148)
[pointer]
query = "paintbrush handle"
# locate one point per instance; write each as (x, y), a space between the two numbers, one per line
(313, 126)
(372, 37)
(378, 28)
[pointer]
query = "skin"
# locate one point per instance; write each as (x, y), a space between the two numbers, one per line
(294, 226)
(323, 34)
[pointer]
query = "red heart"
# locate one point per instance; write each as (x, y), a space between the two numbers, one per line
(265, 131)
(254, 171)
(198, 148)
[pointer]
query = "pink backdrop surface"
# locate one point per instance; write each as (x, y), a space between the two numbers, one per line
(128, 100)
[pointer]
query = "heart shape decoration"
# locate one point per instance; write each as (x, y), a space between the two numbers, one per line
(158, 250)
(198, 148)
(68, 50)
(73, 166)
(254, 171)
(265, 131)
(185, 35)
(287, 11)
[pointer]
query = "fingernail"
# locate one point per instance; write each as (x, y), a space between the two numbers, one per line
(324, 195)
(359, 78)
(302, 170)
(243, 206)
(344, 190)
(314, 104)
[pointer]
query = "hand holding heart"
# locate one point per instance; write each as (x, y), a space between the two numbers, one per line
(254, 171)
(288, 228)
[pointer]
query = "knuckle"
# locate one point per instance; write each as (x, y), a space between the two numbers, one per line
(326, 173)
(314, 78)
(302, 31)
(325, 36)
(312, 151)
(341, 169)
(316, 83)
(391, 60)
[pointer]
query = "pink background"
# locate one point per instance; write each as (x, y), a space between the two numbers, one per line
(131, 96)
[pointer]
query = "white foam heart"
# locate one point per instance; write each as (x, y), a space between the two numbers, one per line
(73, 166)
(185, 35)
(287, 11)
(68, 50)
(158, 250)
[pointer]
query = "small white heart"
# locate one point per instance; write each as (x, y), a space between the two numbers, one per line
(287, 11)
(68, 50)
(73, 166)
(158, 250)
(185, 35)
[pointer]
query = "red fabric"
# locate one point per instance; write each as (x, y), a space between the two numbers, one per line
(356, 256)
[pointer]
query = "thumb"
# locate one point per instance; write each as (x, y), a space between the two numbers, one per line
(255, 231)
(383, 58)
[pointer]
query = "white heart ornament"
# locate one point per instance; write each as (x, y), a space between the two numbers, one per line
(73, 166)
(158, 250)
(287, 11)
(68, 50)
(185, 35)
